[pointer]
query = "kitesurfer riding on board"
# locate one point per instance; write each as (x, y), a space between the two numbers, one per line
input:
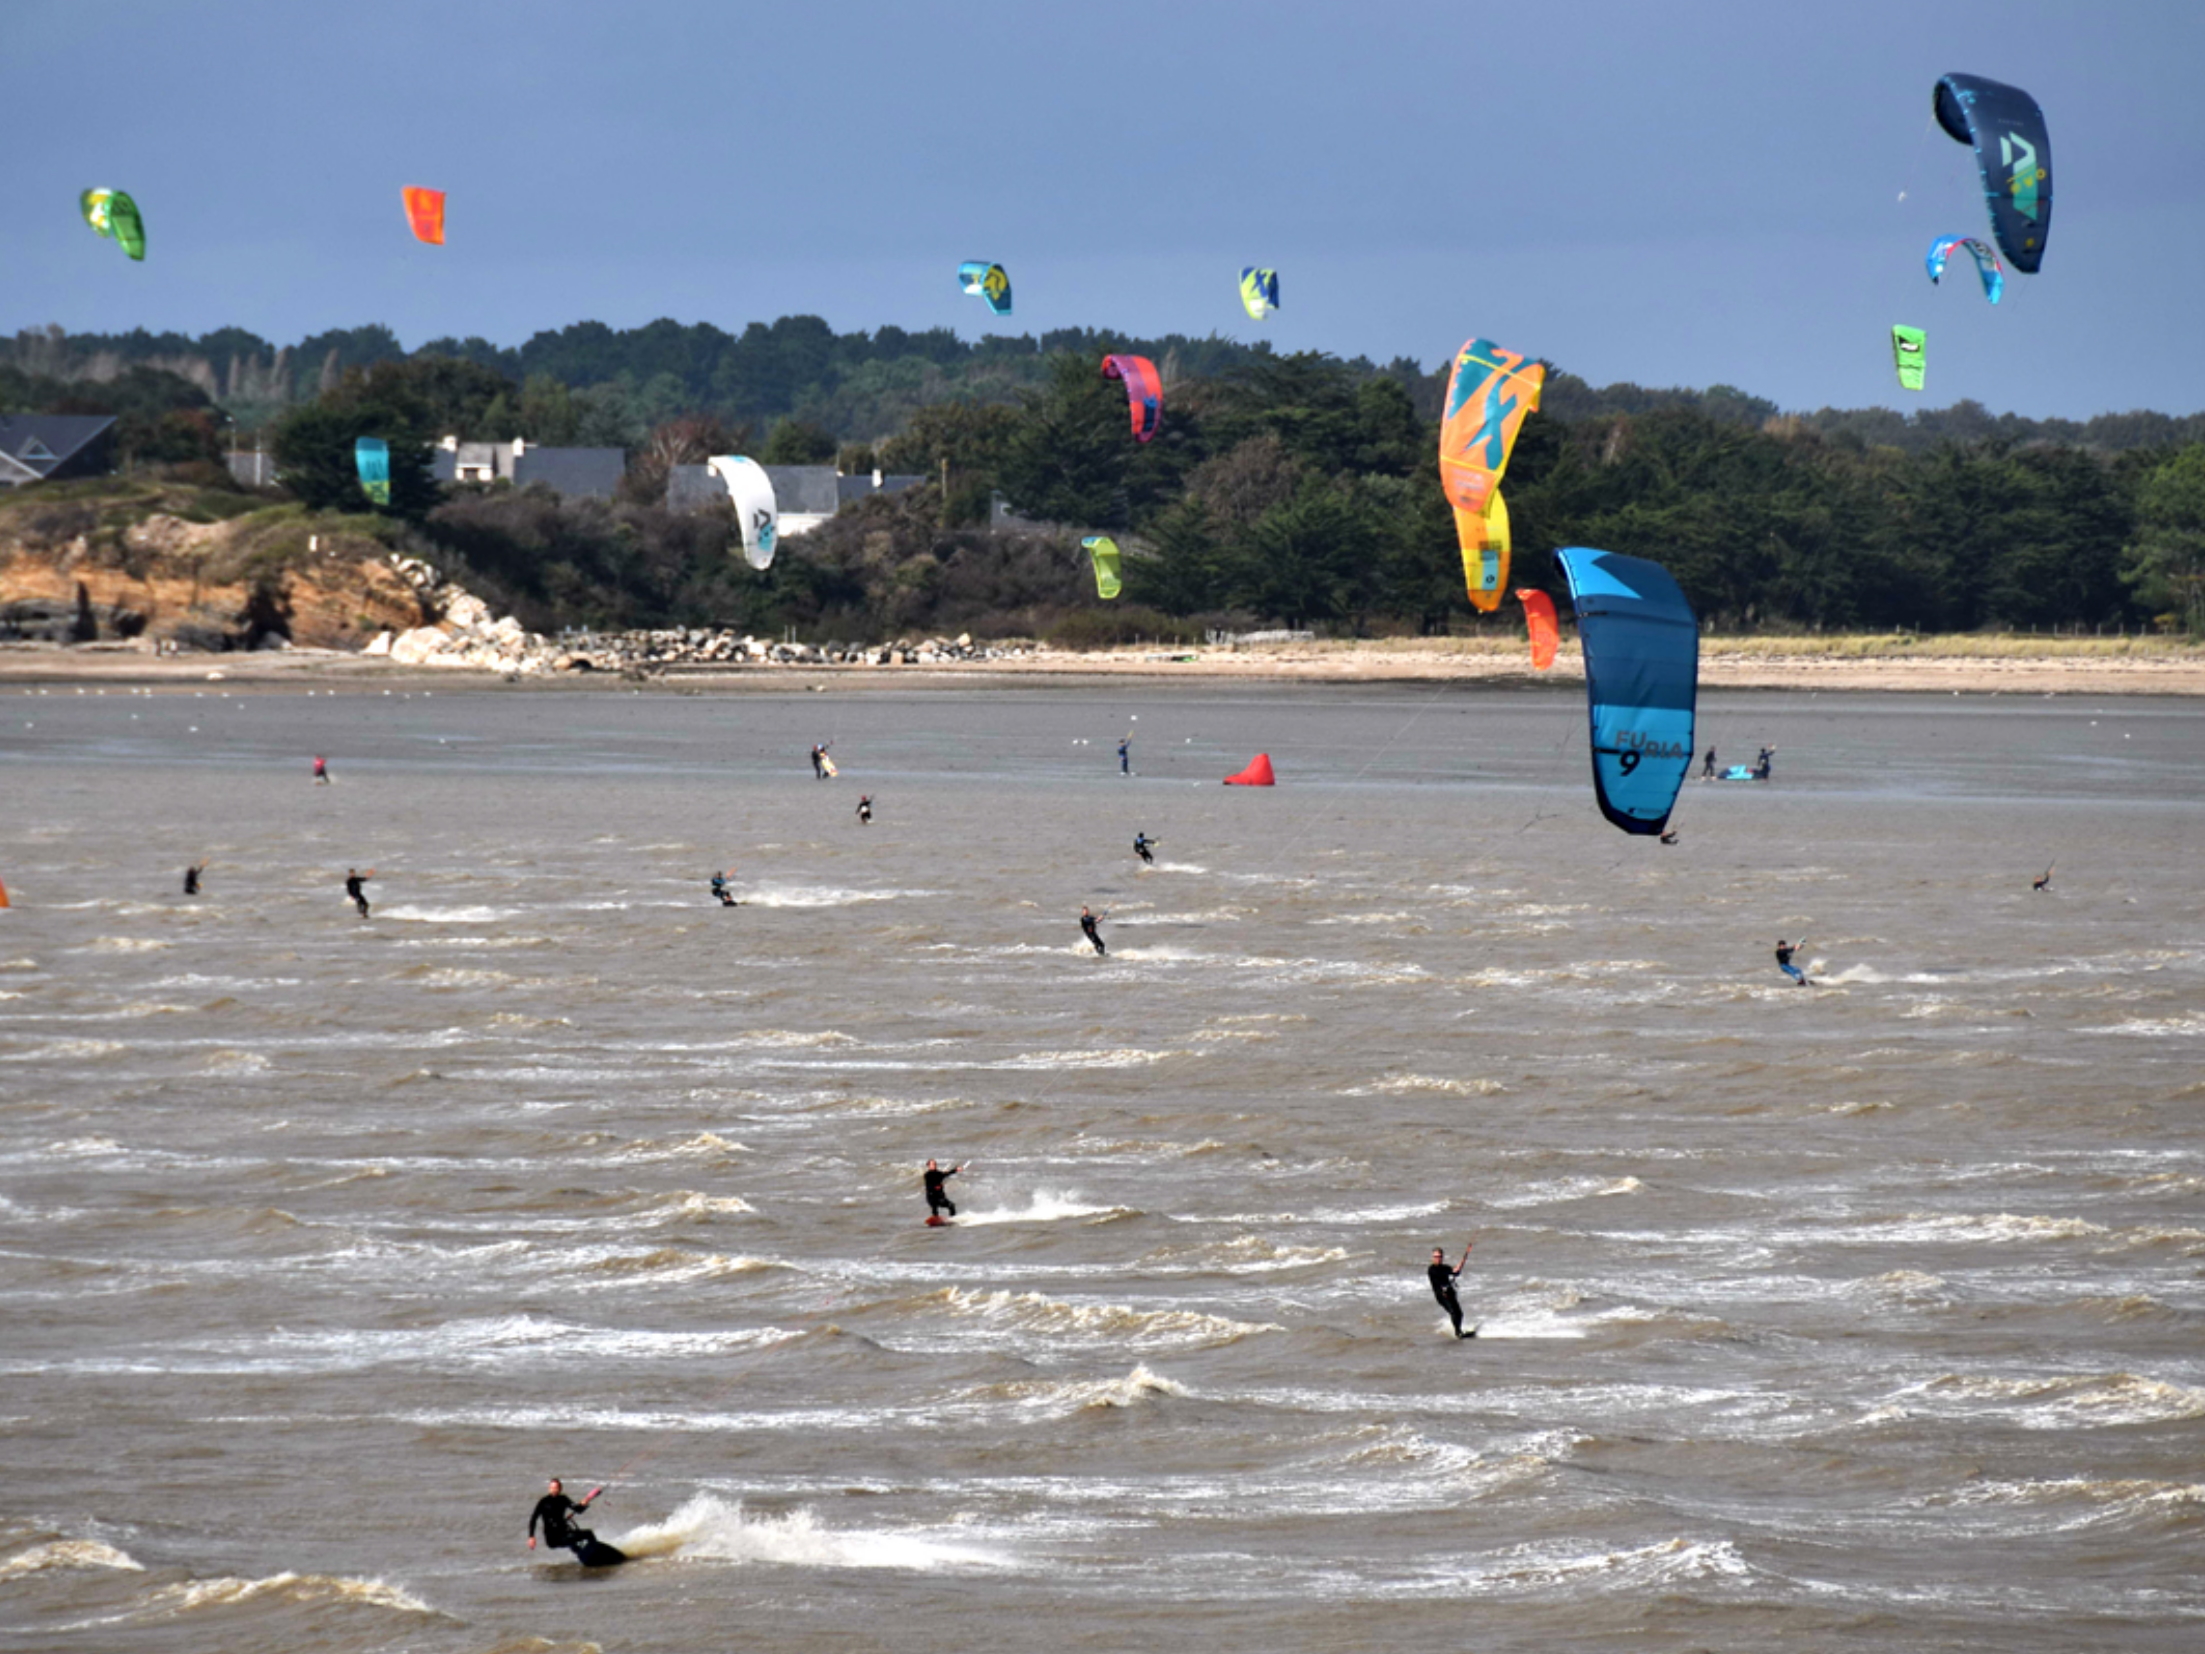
(1443, 1286)
(1141, 842)
(355, 887)
(719, 889)
(1784, 952)
(1088, 922)
(557, 1513)
(937, 1197)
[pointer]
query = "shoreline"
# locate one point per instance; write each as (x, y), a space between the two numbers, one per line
(1964, 666)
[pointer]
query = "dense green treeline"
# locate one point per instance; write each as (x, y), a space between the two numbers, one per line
(1295, 489)
(620, 383)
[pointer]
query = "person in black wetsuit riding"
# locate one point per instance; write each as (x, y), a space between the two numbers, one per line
(1141, 842)
(355, 887)
(937, 1197)
(1443, 1286)
(557, 1513)
(191, 877)
(1088, 922)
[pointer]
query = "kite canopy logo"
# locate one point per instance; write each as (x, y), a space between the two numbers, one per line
(1987, 267)
(1908, 346)
(986, 281)
(1642, 671)
(1489, 391)
(1144, 392)
(1104, 551)
(755, 506)
(113, 214)
(1259, 292)
(2013, 153)
(425, 212)
(371, 455)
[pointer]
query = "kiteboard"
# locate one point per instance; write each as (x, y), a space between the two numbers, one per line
(595, 1553)
(1737, 772)
(934, 1220)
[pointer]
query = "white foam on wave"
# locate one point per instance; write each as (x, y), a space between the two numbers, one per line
(1035, 1312)
(69, 1553)
(1042, 1206)
(1333, 1214)
(824, 895)
(2174, 1027)
(1552, 1565)
(706, 1527)
(446, 915)
(313, 1590)
(1404, 1085)
(123, 944)
(68, 1050)
(2063, 1402)
(1554, 1191)
(1061, 1398)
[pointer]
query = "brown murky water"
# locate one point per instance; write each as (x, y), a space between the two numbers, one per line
(1866, 1316)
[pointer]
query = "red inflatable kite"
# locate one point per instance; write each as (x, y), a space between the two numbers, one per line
(425, 212)
(1144, 392)
(1546, 637)
(1257, 774)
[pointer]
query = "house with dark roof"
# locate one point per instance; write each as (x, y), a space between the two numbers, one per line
(578, 473)
(46, 447)
(805, 495)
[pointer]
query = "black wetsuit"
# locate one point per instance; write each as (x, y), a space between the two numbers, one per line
(191, 881)
(356, 888)
(557, 1512)
(1087, 924)
(1443, 1288)
(1141, 842)
(937, 1197)
(1764, 763)
(1707, 764)
(865, 811)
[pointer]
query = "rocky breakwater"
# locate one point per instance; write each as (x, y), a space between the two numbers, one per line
(468, 635)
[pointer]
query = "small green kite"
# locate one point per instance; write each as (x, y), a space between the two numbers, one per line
(1906, 355)
(1105, 553)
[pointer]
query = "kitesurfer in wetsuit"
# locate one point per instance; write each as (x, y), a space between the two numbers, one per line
(937, 1197)
(1088, 922)
(1765, 762)
(719, 889)
(1141, 842)
(1707, 766)
(1784, 952)
(819, 761)
(1669, 836)
(865, 809)
(355, 883)
(321, 772)
(1443, 1286)
(557, 1513)
(191, 877)
(2045, 882)
(1125, 756)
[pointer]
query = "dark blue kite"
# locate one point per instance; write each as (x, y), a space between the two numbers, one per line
(2014, 153)
(1642, 676)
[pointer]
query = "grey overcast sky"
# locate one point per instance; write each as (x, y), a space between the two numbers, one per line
(1690, 192)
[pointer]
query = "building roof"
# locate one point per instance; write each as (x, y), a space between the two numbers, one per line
(579, 473)
(863, 486)
(42, 443)
(804, 490)
(693, 488)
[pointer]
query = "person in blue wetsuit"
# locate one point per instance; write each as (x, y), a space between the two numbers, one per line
(719, 889)
(1141, 842)
(1784, 952)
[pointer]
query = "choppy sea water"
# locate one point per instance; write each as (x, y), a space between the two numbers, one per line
(1862, 1316)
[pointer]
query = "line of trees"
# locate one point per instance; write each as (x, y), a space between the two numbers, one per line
(1295, 488)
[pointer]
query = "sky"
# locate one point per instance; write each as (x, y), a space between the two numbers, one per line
(1685, 193)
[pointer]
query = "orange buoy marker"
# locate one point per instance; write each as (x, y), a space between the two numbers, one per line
(1257, 774)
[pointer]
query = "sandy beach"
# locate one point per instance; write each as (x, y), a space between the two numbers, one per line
(1971, 665)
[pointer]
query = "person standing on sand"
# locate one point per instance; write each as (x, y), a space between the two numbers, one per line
(865, 809)
(1125, 756)
(321, 771)
(1707, 766)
